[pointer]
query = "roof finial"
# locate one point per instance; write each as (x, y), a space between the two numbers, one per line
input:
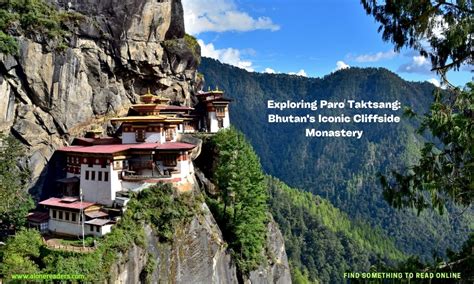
(149, 93)
(209, 88)
(217, 88)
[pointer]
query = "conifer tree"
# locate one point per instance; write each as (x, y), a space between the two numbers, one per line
(441, 30)
(243, 192)
(15, 200)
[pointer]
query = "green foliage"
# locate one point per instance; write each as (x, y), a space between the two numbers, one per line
(16, 202)
(20, 253)
(321, 242)
(150, 267)
(8, 44)
(159, 207)
(299, 277)
(193, 45)
(34, 18)
(344, 171)
(447, 26)
(186, 48)
(445, 171)
(460, 262)
(241, 209)
(88, 242)
(25, 252)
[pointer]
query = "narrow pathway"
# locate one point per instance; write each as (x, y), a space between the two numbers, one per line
(55, 243)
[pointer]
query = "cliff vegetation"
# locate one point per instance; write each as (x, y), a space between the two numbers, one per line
(35, 19)
(157, 205)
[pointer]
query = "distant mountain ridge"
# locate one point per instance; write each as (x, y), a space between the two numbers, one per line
(341, 169)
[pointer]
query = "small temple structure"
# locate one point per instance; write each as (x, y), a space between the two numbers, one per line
(100, 172)
(215, 110)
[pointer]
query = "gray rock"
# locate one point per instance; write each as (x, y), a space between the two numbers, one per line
(7, 105)
(115, 55)
(277, 270)
(198, 254)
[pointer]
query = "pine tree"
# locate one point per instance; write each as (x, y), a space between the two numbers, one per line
(15, 200)
(240, 180)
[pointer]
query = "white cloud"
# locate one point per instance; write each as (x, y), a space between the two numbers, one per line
(438, 27)
(230, 56)
(376, 56)
(419, 60)
(221, 16)
(299, 73)
(418, 64)
(269, 71)
(341, 65)
(435, 82)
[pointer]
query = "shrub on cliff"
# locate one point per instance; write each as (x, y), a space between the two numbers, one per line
(33, 18)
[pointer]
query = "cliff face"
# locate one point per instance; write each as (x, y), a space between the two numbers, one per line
(198, 255)
(118, 51)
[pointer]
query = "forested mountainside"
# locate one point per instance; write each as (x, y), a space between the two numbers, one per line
(342, 170)
(321, 241)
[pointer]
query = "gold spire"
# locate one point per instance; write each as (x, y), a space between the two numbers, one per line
(147, 98)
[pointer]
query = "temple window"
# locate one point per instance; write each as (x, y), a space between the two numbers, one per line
(169, 160)
(220, 111)
(140, 135)
(169, 134)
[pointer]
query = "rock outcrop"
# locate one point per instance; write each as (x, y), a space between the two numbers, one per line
(120, 49)
(198, 254)
(277, 269)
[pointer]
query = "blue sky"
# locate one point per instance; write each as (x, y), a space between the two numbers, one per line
(306, 37)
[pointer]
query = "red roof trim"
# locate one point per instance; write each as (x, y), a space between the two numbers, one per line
(111, 149)
(57, 202)
(38, 217)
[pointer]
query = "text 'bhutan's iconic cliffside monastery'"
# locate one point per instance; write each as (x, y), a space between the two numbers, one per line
(101, 171)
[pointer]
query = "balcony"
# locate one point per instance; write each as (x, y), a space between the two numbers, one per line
(132, 176)
(136, 165)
